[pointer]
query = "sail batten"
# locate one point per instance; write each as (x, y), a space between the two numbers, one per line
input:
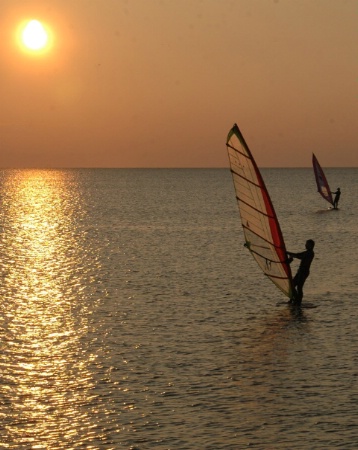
(246, 179)
(262, 232)
(321, 181)
(255, 209)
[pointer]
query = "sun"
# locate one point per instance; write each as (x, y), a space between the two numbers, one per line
(34, 37)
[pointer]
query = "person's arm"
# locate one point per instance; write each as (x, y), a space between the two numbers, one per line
(296, 255)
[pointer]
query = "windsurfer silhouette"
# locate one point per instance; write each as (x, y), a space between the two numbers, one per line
(336, 198)
(303, 271)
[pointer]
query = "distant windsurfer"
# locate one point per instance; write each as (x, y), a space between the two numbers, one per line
(303, 271)
(336, 198)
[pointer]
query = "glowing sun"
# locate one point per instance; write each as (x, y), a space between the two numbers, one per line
(34, 36)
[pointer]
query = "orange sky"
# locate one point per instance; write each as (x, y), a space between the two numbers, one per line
(159, 83)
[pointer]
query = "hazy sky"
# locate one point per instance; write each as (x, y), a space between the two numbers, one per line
(159, 83)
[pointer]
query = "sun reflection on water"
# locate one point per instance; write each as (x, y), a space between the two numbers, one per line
(45, 381)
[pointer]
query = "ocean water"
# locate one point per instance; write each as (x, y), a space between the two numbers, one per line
(132, 317)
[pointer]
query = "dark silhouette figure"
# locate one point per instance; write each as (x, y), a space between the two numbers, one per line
(336, 198)
(303, 271)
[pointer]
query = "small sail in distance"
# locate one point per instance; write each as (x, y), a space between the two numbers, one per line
(321, 180)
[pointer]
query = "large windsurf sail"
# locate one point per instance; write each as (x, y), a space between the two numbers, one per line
(321, 180)
(263, 236)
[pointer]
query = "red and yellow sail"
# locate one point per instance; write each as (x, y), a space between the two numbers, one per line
(263, 236)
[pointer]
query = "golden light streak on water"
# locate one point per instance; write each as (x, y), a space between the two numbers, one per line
(45, 379)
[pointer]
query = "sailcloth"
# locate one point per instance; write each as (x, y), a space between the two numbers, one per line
(321, 180)
(263, 236)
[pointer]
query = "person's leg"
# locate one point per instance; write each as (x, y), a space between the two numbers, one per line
(299, 296)
(298, 282)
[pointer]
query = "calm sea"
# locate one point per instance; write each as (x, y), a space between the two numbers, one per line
(132, 317)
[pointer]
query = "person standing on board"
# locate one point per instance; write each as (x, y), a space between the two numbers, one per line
(336, 198)
(303, 271)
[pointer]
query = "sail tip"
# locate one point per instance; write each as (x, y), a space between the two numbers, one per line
(234, 127)
(234, 130)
